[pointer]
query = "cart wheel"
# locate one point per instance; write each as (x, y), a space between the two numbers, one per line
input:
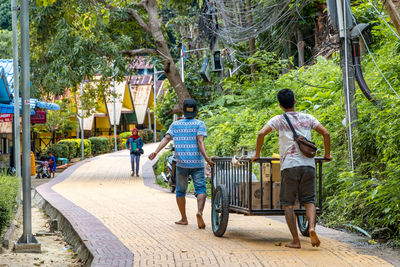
(303, 225)
(172, 189)
(220, 211)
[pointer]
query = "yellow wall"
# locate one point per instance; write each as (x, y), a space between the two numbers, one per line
(102, 122)
(127, 102)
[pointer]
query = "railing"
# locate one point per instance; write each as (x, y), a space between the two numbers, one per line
(253, 187)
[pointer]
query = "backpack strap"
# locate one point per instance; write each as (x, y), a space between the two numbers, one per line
(291, 126)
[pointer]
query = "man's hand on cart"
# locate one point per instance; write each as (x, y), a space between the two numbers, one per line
(328, 157)
(255, 157)
(209, 161)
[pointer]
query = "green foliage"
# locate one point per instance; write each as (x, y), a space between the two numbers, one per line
(99, 145)
(74, 147)
(76, 39)
(9, 188)
(61, 150)
(165, 104)
(5, 16)
(162, 163)
(6, 48)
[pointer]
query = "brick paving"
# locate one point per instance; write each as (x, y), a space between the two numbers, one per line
(142, 219)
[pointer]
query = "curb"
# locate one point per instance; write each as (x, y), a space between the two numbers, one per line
(8, 236)
(92, 241)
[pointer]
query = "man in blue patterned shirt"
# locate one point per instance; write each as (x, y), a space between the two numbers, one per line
(190, 153)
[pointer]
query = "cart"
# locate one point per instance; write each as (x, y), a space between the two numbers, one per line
(236, 188)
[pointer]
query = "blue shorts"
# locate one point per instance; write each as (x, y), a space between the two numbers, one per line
(199, 180)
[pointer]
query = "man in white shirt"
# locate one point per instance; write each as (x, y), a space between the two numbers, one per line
(297, 170)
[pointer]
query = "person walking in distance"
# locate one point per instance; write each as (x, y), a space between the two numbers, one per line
(135, 146)
(190, 152)
(297, 170)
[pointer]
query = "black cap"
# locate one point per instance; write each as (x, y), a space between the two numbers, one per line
(189, 108)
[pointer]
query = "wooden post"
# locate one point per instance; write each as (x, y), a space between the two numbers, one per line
(394, 12)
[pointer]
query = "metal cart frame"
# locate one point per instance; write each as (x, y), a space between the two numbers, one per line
(232, 188)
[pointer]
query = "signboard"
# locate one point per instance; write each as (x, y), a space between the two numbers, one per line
(5, 117)
(39, 117)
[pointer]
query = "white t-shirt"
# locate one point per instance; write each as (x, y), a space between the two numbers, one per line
(290, 154)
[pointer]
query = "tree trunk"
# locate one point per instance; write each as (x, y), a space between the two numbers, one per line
(300, 47)
(170, 69)
(252, 40)
(393, 9)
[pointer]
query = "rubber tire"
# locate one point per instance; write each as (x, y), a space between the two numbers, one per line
(302, 222)
(219, 230)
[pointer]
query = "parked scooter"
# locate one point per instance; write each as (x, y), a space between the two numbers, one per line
(170, 176)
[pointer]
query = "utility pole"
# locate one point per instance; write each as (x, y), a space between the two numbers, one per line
(82, 129)
(17, 129)
(155, 78)
(348, 75)
(182, 66)
(27, 242)
(115, 120)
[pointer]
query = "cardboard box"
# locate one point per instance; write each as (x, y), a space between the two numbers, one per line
(276, 171)
(256, 195)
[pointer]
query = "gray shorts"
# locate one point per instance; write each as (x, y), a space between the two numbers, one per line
(298, 181)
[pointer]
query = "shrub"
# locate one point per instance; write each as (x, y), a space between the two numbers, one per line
(162, 163)
(119, 143)
(75, 147)
(125, 135)
(61, 150)
(72, 148)
(9, 187)
(100, 145)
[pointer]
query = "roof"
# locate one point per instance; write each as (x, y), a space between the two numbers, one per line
(87, 121)
(120, 91)
(141, 80)
(5, 96)
(8, 67)
(141, 63)
(6, 91)
(141, 96)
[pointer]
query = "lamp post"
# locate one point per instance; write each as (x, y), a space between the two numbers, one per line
(155, 79)
(27, 242)
(82, 130)
(115, 120)
(17, 130)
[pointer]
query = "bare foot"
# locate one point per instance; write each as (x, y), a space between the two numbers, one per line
(200, 221)
(293, 245)
(314, 239)
(182, 222)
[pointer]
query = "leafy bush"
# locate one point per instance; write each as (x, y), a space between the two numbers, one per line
(60, 150)
(125, 135)
(9, 187)
(72, 149)
(99, 145)
(75, 147)
(162, 163)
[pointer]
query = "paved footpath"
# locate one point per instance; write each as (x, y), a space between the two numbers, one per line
(142, 219)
